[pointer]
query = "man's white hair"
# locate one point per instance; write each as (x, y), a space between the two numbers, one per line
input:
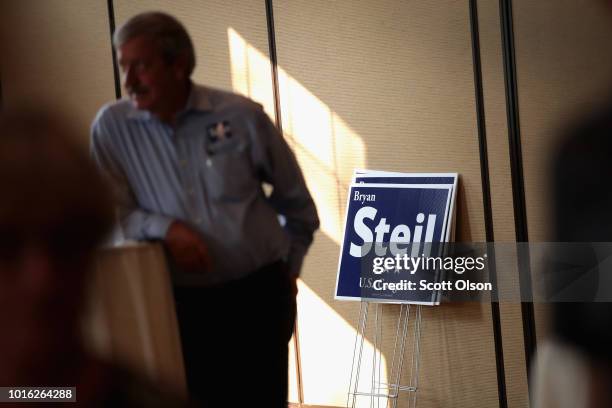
(170, 35)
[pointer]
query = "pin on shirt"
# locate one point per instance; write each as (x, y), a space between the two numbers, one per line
(217, 133)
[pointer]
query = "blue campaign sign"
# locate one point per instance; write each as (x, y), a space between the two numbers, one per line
(378, 177)
(381, 217)
(382, 177)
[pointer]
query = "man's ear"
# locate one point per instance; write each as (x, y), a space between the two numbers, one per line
(180, 66)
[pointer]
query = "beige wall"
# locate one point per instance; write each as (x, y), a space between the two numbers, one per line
(56, 53)
(502, 208)
(385, 85)
(375, 86)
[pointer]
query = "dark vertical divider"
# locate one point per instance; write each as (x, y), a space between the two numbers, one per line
(279, 124)
(111, 23)
(518, 182)
(273, 61)
(486, 198)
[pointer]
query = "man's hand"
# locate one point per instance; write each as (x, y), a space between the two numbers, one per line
(187, 248)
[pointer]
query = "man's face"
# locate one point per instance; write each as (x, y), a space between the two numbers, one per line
(147, 78)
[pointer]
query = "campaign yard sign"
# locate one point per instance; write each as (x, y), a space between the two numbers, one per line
(394, 216)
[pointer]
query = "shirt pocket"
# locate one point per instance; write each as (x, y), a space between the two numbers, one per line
(228, 174)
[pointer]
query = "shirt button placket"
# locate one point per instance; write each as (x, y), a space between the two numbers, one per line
(187, 178)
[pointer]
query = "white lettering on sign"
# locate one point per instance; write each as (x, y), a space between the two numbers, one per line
(400, 234)
(362, 198)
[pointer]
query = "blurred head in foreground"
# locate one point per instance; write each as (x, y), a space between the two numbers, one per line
(581, 316)
(54, 210)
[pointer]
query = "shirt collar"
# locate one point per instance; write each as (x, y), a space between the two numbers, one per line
(198, 100)
(138, 113)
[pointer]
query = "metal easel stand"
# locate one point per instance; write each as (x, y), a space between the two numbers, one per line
(367, 383)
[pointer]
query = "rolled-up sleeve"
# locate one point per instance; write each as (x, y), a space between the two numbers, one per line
(135, 222)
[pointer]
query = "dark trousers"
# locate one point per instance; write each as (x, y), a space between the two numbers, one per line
(235, 339)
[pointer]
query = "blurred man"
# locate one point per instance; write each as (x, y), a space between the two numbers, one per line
(574, 364)
(581, 322)
(188, 163)
(55, 208)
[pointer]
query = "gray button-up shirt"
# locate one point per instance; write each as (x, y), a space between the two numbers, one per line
(208, 171)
